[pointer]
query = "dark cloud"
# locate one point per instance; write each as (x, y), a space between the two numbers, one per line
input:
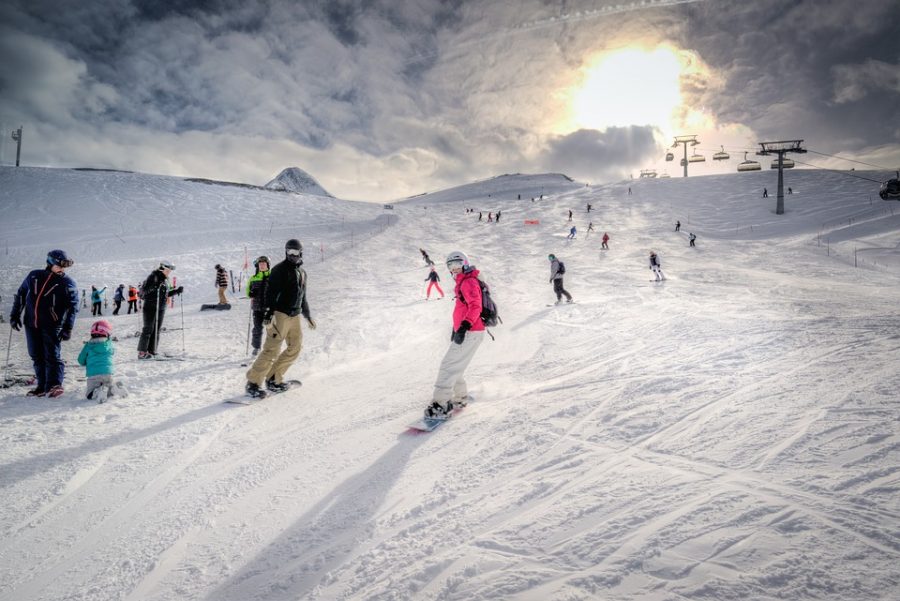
(596, 155)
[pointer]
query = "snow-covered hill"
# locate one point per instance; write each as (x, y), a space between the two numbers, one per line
(294, 179)
(733, 433)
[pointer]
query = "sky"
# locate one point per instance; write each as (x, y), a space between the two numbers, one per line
(383, 99)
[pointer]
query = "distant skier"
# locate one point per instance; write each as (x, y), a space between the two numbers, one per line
(765, 192)
(49, 299)
(450, 389)
(678, 226)
(629, 191)
(433, 279)
(97, 358)
(155, 292)
(256, 292)
(570, 214)
(557, 271)
(222, 284)
(97, 300)
(118, 298)
(656, 267)
(590, 227)
(132, 299)
(425, 256)
(490, 217)
(285, 302)
(497, 217)
(572, 233)
(692, 237)
(605, 241)
(589, 208)
(790, 191)
(479, 215)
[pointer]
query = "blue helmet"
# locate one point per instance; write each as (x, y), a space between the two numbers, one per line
(59, 257)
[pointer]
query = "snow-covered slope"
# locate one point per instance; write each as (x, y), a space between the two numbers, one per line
(733, 433)
(294, 179)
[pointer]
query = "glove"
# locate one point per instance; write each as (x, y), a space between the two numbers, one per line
(311, 322)
(460, 334)
(267, 318)
(65, 335)
(179, 290)
(15, 322)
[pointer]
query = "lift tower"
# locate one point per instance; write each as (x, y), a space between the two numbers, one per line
(685, 140)
(17, 136)
(780, 148)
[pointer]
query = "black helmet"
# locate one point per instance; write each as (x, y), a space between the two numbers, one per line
(59, 257)
(261, 259)
(293, 250)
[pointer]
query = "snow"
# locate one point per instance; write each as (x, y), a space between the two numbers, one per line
(732, 433)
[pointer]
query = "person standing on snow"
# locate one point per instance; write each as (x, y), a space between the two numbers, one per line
(118, 297)
(605, 241)
(222, 284)
(572, 233)
(50, 300)
(132, 299)
(692, 237)
(256, 292)
(97, 300)
(656, 267)
(450, 389)
(678, 226)
(155, 292)
(285, 301)
(433, 279)
(557, 270)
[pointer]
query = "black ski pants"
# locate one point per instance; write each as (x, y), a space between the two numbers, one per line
(256, 338)
(559, 290)
(153, 320)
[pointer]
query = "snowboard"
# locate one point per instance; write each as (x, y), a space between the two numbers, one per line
(430, 424)
(249, 400)
(216, 307)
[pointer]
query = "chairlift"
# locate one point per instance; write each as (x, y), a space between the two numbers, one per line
(697, 158)
(664, 175)
(785, 164)
(749, 165)
(648, 173)
(670, 156)
(682, 162)
(721, 156)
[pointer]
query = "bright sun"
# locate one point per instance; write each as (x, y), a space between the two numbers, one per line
(628, 87)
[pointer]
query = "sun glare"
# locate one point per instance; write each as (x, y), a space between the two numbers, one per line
(629, 87)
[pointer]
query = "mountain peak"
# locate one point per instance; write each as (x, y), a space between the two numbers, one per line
(294, 179)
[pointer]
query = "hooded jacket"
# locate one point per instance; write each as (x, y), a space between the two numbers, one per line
(286, 290)
(468, 300)
(50, 300)
(97, 357)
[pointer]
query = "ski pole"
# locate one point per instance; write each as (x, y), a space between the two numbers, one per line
(8, 346)
(249, 323)
(182, 322)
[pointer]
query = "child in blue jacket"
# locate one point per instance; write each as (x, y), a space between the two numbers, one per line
(97, 357)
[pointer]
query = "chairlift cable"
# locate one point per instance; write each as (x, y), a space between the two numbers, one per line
(851, 160)
(848, 173)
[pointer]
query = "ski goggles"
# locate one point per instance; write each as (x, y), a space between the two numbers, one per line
(293, 252)
(166, 265)
(64, 263)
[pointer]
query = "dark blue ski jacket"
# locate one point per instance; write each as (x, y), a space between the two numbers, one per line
(50, 300)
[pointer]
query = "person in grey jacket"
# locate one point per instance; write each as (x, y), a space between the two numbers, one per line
(557, 269)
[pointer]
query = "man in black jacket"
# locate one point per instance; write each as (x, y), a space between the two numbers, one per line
(155, 293)
(285, 301)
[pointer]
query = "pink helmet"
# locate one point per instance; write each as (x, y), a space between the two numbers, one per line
(101, 328)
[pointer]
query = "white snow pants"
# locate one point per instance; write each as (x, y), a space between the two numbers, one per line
(450, 383)
(113, 388)
(659, 273)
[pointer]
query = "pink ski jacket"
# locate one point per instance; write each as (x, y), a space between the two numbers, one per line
(468, 301)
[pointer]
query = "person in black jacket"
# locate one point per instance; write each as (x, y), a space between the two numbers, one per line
(222, 284)
(155, 292)
(285, 301)
(49, 299)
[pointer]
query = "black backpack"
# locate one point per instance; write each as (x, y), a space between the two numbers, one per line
(489, 314)
(562, 268)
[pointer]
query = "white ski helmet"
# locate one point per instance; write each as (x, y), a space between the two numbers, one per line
(457, 259)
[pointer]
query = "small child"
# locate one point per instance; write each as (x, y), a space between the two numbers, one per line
(97, 357)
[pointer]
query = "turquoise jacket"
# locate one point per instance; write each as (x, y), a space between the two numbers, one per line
(97, 356)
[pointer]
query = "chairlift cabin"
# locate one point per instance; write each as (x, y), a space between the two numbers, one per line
(785, 164)
(648, 172)
(697, 158)
(664, 175)
(721, 156)
(682, 162)
(748, 165)
(670, 156)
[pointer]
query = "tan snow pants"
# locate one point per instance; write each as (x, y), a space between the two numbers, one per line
(272, 362)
